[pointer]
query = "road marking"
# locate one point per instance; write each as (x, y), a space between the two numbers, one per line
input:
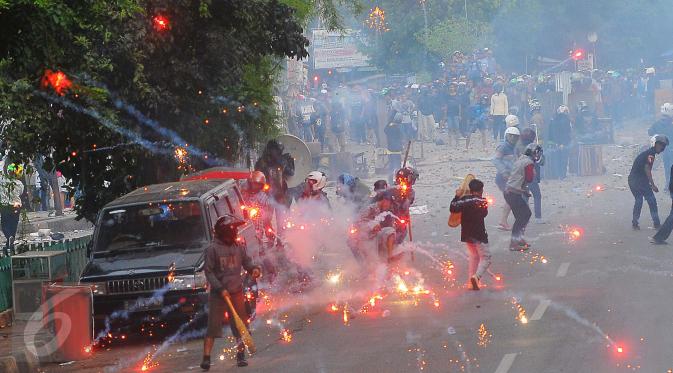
(506, 363)
(563, 269)
(539, 311)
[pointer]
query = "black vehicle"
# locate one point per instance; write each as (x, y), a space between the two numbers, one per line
(147, 254)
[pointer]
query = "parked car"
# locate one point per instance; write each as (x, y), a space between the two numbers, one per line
(147, 254)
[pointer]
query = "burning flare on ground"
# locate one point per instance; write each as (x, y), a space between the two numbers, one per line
(148, 363)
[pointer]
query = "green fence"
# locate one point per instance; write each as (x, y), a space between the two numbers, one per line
(76, 260)
(5, 284)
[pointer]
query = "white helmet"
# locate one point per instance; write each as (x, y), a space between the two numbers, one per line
(512, 131)
(512, 120)
(667, 109)
(317, 179)
(562, 109)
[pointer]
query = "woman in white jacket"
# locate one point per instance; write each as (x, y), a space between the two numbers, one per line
(499, 110)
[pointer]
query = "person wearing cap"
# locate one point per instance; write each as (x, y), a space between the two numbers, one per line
(641, 182)
(224, 258)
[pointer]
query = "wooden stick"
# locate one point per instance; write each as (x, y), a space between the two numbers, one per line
(411, 235)
(406, 154)
(242, 329)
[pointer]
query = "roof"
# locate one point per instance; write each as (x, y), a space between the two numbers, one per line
(179, 190)
(218, 173)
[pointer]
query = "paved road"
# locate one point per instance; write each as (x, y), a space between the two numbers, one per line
(603, 292)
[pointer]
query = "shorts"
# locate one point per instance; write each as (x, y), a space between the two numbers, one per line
(217, 306)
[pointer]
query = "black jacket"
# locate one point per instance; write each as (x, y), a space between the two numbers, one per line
(560, 130)
(474, 210)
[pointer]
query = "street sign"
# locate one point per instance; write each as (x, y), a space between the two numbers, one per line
(337, 50)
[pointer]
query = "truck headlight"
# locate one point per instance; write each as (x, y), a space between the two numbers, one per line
(188, 282)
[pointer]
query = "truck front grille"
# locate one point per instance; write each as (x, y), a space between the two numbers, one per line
(136, 285)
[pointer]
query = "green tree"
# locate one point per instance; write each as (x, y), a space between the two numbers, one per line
(205, 79)
(456, 35)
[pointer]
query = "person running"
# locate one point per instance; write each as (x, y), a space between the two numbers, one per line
(474, 208)
(505, 155)
(224, 259)
(641, 182)
(516, 193)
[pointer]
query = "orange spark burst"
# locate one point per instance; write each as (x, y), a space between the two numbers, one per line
(286, 335)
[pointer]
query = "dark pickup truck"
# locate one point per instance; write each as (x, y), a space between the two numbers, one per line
(147, 254)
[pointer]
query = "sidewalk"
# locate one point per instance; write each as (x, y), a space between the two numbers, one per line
(15, 356)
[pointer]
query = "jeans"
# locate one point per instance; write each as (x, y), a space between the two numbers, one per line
(498, 127)
(480, 258)
(9, 221)
(534, 188)
(521, 213)
(665, 231)
(639, 192)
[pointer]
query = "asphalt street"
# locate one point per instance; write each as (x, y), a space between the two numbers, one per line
(590, 296)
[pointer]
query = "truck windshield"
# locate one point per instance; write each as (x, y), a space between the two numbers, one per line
(153, 224)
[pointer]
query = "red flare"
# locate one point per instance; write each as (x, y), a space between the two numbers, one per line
(57, 80)
(161, 23)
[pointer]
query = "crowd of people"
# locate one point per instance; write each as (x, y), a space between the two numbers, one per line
(470, 98)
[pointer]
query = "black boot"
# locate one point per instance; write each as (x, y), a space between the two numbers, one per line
(205, 364)
(240, 359)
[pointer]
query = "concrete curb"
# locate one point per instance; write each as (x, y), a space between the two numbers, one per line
(19, 362)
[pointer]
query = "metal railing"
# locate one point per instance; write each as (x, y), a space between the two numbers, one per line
(76, 259)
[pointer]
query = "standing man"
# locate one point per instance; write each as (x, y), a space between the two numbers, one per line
(641, 183)
(499, 109)
(474, 208)
(559, 137)
(393, 133)
(664, 126)
(505, 155)
(338, 125)
(516, 194)
(223, 261)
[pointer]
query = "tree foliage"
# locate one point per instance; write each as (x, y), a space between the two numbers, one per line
(203, 83)
(627, 31)
(456, 35)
